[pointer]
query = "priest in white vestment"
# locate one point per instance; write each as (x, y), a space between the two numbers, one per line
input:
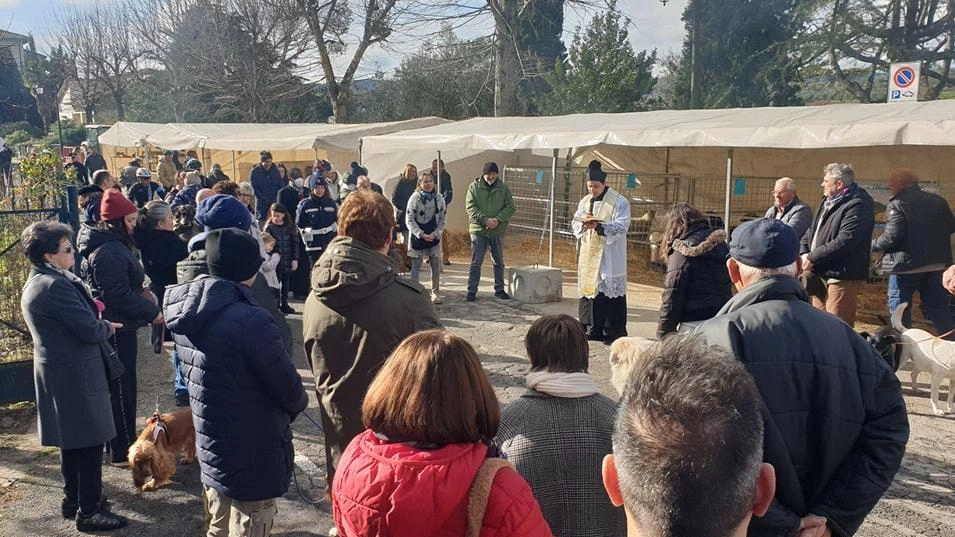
(600, 224)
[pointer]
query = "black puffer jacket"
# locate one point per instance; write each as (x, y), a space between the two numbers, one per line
(286, 243)
(115, 277)
(244, 389)
(403, 191)
(842, 249)
(160, 250)
(697, 283)
(835, 421)
(918, 231)
(194, 265)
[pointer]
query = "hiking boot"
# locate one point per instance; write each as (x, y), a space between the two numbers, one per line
(471, 297)
(286, 309)
(502, 294)
(99, 520)
(435, 297)
(447, 262)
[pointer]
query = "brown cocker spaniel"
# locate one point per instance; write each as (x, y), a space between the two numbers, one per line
(153, 455)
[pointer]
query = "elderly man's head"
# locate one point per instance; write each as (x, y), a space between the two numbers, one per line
(784, 191)
(760, 248)
(836, 177)
(688, 444)
(900, 179)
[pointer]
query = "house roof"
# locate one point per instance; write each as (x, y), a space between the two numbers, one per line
(6, 34)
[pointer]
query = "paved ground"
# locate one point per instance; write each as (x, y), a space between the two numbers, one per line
(920, 502)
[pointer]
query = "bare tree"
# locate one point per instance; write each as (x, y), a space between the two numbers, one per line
(857, 39)
(105, 51)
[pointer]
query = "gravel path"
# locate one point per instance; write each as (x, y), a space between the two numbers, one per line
(920, 502)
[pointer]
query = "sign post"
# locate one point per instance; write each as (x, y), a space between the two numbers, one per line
(904, 82)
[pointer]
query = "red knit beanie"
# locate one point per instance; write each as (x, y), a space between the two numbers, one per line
(115, 205)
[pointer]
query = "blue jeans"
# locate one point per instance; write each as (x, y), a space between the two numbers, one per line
(479, 246)
(934, 299)
(180, 384)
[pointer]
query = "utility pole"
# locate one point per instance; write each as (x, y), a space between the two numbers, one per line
(694, 57)
(59, 123)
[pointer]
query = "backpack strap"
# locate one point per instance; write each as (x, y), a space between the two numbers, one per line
(480, 492)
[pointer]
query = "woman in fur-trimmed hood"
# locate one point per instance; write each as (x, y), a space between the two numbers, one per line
(697, 283)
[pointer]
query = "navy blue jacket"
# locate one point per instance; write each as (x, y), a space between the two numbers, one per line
(918, 231)
(317, 213)
(266, 184)
(244, 389)
(835, 420)
(845, 235)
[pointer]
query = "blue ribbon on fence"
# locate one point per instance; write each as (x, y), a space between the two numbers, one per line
(540, 177)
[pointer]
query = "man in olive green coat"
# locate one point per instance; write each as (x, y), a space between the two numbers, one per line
(489, 206)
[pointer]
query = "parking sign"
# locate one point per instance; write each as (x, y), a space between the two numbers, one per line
(904, 82)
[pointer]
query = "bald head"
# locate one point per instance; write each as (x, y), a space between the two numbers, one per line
(203, 194)
(900, 179)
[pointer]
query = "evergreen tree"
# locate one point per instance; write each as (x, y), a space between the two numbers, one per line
(602, 73)
(745, 53)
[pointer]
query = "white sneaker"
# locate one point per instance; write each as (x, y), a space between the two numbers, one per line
(435, 297)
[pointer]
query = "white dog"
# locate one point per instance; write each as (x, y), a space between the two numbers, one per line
(927, 353)
(624, 353)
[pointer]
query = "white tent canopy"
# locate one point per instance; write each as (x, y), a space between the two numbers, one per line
(813, 127)
(232, 144)
(756, 142)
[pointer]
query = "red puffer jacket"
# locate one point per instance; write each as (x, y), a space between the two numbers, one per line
(385, 489)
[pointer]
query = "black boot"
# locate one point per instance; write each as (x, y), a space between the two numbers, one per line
(99, 520)
(69, 508)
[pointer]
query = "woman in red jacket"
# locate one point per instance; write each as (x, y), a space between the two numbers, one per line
(431, 414)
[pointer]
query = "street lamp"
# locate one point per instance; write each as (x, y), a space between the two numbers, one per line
(59, 125)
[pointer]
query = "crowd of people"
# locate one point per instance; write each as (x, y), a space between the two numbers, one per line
(756, 413)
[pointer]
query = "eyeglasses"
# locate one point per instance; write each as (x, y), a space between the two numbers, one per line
(68, 250)
(779, 192)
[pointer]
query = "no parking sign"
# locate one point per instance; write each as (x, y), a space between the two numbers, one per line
(904, 82)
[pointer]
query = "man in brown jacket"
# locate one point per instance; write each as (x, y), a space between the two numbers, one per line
(358, 310)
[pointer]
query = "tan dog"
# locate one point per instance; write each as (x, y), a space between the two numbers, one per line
(153, 455)
(624, 353)
(927, 353)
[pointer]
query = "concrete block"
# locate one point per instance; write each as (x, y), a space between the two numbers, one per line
(535, 285)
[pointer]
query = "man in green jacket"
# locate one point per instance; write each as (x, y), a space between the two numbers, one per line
(490, 206)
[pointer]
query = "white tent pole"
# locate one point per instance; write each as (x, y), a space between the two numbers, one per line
(553, 195)
(729, 186)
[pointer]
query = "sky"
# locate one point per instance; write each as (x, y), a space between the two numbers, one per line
(653, 26)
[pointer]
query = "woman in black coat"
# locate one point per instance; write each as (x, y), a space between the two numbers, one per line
(116, 278)
(72, 393)
(160, 249)
(697, 283)
(159, 246)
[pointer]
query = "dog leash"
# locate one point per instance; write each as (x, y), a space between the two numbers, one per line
(942, 336)
(305, 497)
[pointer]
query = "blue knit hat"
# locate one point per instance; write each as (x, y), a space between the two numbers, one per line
(764, 243)
(221, 211)
(315, 180)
